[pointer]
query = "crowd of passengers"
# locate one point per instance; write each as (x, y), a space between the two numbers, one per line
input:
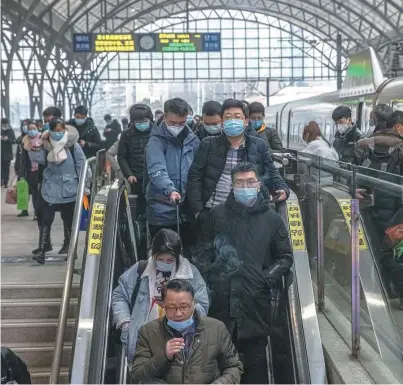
(233, 249)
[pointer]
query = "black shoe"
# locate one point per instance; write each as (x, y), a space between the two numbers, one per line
(5, 185)
(23, 213)
(39, 258)
(48, 248)
(66, 242)
(44, 239)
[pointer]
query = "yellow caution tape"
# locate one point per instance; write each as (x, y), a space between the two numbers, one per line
(96, 229)
(296, 226)
(345, 205)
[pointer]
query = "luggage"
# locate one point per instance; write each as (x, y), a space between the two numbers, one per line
(22, 194)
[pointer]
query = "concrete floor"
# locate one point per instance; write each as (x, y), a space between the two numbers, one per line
(18, 237)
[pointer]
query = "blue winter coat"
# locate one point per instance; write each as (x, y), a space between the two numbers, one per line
(168, 164)
(122, 295)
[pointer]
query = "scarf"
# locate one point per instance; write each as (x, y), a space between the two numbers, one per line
(261, 129)
(58, 154)
(36, 145)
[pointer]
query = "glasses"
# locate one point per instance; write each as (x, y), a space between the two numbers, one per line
(246, 183)
(182, 309)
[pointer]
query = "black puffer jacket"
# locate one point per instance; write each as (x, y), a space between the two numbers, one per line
(90, 134)
(7, 145)
(112, 136)
(381, 152)
(22, 164)
(251, 252)
(132, 146)
(344, 144)
(209, 163)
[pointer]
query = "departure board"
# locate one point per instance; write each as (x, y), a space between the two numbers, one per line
(147, 42)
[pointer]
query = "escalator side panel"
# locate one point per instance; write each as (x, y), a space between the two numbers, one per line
(301, 303)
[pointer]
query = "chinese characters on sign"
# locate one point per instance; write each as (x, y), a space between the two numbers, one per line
(96, 229)
(211, 42)
(82, 42)
(345, 205)
(296, 226)
(114, 43)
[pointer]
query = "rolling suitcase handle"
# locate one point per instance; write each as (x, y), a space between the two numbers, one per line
(177, 217)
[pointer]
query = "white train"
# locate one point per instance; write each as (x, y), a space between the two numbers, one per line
(364, 87)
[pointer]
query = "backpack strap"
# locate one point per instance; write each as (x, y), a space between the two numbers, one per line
(140, 270)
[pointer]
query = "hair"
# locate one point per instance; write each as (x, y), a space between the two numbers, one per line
(396, 117)
(244, 167)
(211, 108)
(382, 113)
(233, 103)
(341, 112)
(167, 241)
(125, 121)
(158, 112)
(81, 110)
(54, 111)
(179, 286)
(54, 122)
(312, 131)
(4, 121)
(39, 121)
(177, 106)
(190, 110)
(247, 104)
(139, 112)
(256, 108)
(107, 117)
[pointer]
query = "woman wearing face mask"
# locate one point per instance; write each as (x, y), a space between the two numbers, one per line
(22, 162)
(64, 159)
(137, 299)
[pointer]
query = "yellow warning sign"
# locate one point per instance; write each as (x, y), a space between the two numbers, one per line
(345, 205)
(96, 229)
(296, 226)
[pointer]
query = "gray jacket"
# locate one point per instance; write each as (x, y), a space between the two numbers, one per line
(121, 299)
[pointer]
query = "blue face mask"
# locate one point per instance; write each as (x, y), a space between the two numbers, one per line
(164, 267)
(142, 126)
(213, 129)
(24, 129)
(56, 136)
(32, 133)
(181, 325)
(80, 122)
(246, 196)
(45, 127)
(234, 127)
(189, 119)
(256, 124)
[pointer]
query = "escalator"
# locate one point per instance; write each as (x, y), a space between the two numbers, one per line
(98, 356)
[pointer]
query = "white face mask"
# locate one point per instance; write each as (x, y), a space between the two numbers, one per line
(175, 130)
(342, 128)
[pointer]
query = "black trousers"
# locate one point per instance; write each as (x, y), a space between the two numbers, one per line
(187, 232)
(5, 171)
(253, 354)
(47, 212)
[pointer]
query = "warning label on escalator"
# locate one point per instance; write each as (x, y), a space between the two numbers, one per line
(345, 205)
(96, 229)
(296, 226)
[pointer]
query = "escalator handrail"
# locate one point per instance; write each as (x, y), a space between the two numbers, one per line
(97, 359)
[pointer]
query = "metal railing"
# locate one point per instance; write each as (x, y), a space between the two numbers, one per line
(68, 282)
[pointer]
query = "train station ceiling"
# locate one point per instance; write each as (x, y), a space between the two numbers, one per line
(360, 22)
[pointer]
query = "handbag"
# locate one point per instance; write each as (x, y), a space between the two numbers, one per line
(11, 194)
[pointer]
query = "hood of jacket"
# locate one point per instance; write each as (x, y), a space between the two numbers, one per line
(320, 147)
(72, 138)
(386, 138)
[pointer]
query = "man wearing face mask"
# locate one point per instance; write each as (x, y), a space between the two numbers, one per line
(210, 174)
(182, 347)
(7, 141)
(346, 134)
(111, 131)
(89, 139)
(210, 125)
(252, 254)
(268, 134)
(170, 152)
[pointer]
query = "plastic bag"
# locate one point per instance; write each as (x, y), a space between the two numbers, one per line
(11, 195)
(85, 214)
(22, 194)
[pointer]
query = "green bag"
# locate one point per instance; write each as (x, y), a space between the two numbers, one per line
(22, 194)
